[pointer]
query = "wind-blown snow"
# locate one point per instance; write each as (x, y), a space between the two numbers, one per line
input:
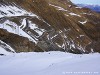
(50, 63)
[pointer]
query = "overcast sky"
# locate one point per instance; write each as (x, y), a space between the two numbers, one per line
(86, 1)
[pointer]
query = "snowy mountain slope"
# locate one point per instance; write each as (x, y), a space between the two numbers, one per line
(50, 25)
(8, 10)
(13, 10)
(14, 28)
(50, 63)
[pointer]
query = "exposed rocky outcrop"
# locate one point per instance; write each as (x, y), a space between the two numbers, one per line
(57, 25)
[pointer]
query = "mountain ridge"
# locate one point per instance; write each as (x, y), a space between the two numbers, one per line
(55, 25)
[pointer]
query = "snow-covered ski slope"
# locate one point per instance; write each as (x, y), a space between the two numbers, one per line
(50, 63)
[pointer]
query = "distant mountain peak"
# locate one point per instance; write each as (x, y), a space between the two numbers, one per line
(91, 6)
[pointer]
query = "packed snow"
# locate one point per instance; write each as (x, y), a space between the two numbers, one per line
(13, 11)
(73, 14)
(70, 6)
(50, 63)
(59, 8)
(78, 7)
(84, 22)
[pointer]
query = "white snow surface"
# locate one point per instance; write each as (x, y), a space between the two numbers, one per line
(78, 7)
(83, 22)
(59, 8)
(50, 63)
(73, 14)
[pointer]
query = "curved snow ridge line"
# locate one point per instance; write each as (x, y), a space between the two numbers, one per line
(13, 11)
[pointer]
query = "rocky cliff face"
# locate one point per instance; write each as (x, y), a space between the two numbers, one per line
(45, 25)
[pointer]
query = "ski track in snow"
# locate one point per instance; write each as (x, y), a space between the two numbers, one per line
(49, 63)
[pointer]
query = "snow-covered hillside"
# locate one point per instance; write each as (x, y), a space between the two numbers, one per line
(14, 11)
(47, 25)
(50, 63)
(14, 28)
(8, 11)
